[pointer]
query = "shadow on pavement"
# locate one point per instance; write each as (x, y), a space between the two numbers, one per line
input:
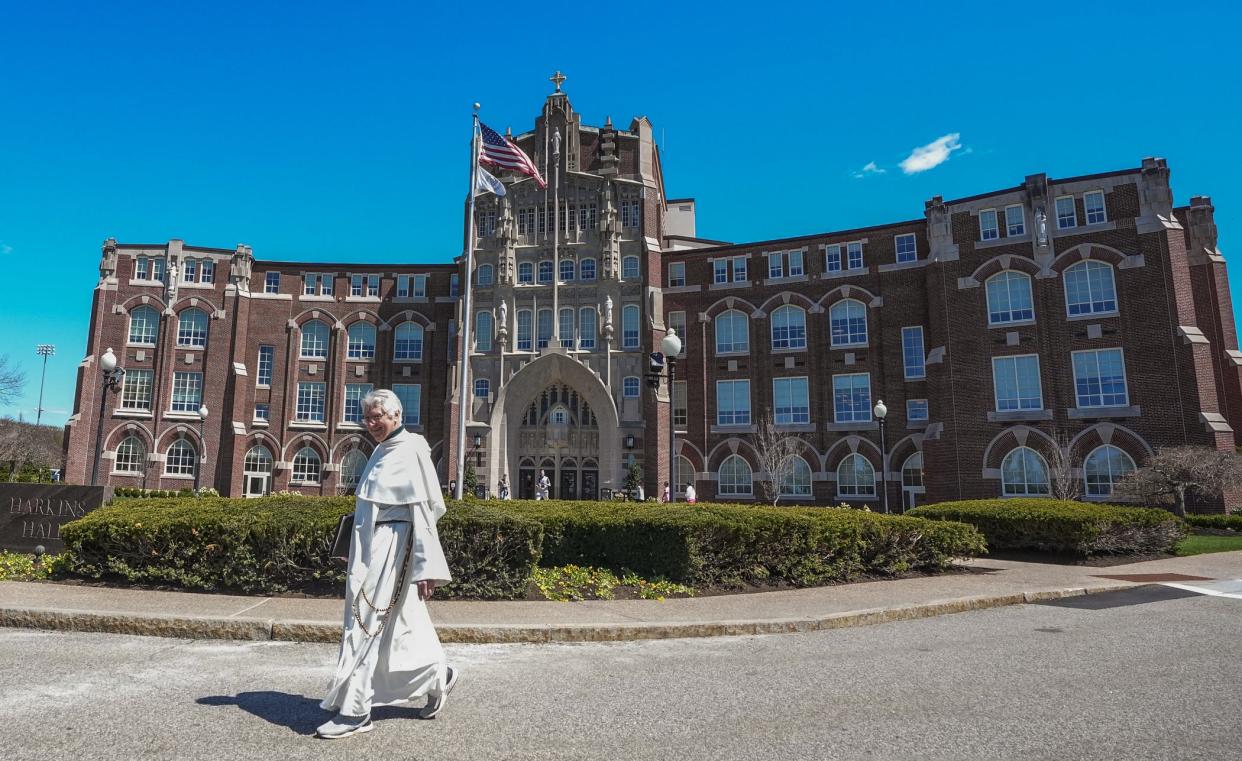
(297, 712)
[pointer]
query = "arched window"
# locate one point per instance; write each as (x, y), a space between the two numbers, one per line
(629, 268)
(586, 270)
(483, 331)
(314, 340)
(1024, 474)
(1009, 298)
(789, 328)
(180, 460)
(485, 275)
(351, 468)
(407, 342)
(685, 474)
(736, 478)
(796, 482)
(482, 388)
(1090, 289)
(361, 341)
(545, 271)
(1104, 467)
(258, 460)
(544, 333)
(855, 477)
(144, 326)
(732, 332)
(912, 472)
(526, 272)
(306, 466)
(524, 330)
(130, 456)
(567, 270)
(192, 328)
(629, 327)
(848, 320)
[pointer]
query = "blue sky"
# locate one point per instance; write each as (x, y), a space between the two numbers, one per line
(327, 133)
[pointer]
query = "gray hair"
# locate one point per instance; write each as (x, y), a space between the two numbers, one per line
(384, 399)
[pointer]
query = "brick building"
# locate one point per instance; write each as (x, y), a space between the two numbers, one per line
(1060, 328)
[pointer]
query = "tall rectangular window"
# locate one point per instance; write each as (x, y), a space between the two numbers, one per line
(681, 408)
(677, 321)
(907, 248)
(854, 253)
(1093, 205)
(912, 352)
(790, 401)
(411, 395)
(988, 228)
(776, 265)
(1099, 378)
(586, 328)
(136, 391)
(733, 402)
(310, 404)
(454, 285)
(310, 285)
(1067, 215)
(353, 401)
(676, 274)
(267, 356)
(189, 270)
(208, 272)
(739, 269)
(916, 410)
(1015, 221)
(720, 271)
(524, 330)
(271, 282)
(566, 328)
(486, 221)
(543, 328)
(357, 285)
(832, 259)
(851, 398)
(629, 327)
(142, 268)
(157, 269)
(629, 214)
(187, 393)
(793, 260)
(262, 411)
(1016, 383)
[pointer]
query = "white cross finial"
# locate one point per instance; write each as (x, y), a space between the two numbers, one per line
(557, 79)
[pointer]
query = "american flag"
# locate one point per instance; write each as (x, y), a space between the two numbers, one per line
(501, 153)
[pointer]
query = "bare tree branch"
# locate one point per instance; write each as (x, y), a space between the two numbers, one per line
(1066, 484)
(777, 450)
(12, 379)
(1174, 473)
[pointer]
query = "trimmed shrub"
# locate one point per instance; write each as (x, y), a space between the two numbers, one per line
(1063, 527)
(1219, 522)
(277, 544)
(738, 545)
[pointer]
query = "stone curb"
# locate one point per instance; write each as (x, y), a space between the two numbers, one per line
(203, 627)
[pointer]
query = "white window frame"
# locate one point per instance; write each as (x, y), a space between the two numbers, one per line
(357, 391)
(483, 338)
(735, 489)
(1012, 230)
(914, 404)
(414, 352)
(1087, 266)
(1086, 207)
(738, 415)
(676, 274)
(314, 350)
(913, 371)
(911, 254)
(311, 401)
(1066, 222)
(271, 282)
(154, 323)
(739, 269)
(720, 271)
(583, 269)
(411, 396)
(846, 343)
(1010, 319)
(998, 365)
(794, 479)
(1026, 492)
(861, 489)
(265, 369)
(184, 383)
(833, 261)
(854, 255)
(734, 347)
(526, 273)
(798, 410)
(860, 415)
(1112, 477)
(587, 328)
(137, 390)
(631, 330)
(631, 386)
(192, 338)
(1095, 354)
(794, 339)
(988, 232)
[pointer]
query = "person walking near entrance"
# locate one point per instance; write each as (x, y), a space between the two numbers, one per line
(667, 493)
(502, 488)
(691, 496)
(390, 652)
(542, 485)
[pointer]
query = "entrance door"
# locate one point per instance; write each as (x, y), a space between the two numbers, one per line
(569, 482)
(258, 484)
(590, 481)
(526, 483)
(257, 472)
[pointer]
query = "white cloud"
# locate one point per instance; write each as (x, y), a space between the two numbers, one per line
(931, 155)
(5, 248)
(870, 168)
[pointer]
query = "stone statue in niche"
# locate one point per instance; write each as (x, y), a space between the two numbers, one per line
(608, 311)
(107, 263)
(1041, 226)
(173, 279)
(504, 317)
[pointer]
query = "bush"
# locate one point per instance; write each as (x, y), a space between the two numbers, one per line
(738, 545)
(1063, 527)
(1220, 522)
(277, 544)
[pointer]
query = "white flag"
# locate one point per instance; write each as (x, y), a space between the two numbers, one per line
(486, 183)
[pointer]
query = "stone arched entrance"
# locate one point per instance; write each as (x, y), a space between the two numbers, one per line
(556, 414)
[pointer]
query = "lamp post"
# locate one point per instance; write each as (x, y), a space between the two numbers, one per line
(202, 444)
(671, 346)
(881, 412)
(478, 451)
(45, 351)
(112, 376)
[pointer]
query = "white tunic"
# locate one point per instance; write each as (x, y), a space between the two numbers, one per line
(409, 655)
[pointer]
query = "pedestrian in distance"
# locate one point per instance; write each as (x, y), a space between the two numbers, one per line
(691, 496)
(666, 497)
(502, 488)
(390, 653)
(542, 486)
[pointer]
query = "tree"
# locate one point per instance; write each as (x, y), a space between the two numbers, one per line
(12, 379)
(1173, 473)
(469, 479)
(29, 448)
(633, 479)
(1065, 483)
(778, 450)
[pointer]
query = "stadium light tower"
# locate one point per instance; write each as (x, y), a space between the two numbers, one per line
(45, 351)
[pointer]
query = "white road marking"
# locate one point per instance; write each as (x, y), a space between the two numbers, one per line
(1231, 588)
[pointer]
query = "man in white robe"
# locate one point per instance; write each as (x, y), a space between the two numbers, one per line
(390, 652)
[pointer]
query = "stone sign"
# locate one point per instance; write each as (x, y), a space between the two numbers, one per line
(31, 514)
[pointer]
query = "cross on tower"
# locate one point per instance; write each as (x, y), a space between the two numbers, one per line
(557, 79)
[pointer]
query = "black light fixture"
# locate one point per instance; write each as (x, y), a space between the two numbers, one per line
(112, 378)
(629, 441)
(881, 413)
(478, 451)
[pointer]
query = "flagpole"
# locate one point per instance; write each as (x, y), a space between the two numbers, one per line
(556, 239)
(463, 401)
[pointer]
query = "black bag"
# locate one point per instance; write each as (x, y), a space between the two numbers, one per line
(344, 537)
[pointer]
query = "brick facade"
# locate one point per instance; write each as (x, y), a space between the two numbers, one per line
(1142, 277)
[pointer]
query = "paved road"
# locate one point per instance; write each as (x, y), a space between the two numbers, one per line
(1152, 673)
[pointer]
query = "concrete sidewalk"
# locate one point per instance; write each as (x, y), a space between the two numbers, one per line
(985, 583)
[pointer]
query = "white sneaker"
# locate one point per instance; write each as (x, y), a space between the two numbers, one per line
(435, 702)
(344, 726)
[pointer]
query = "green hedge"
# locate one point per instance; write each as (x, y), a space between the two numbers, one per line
(737, 545)
(1222, 522)
(277, 544)
(1063, 527)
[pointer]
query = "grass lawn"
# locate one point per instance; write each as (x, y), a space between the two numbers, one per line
(1197, 544)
